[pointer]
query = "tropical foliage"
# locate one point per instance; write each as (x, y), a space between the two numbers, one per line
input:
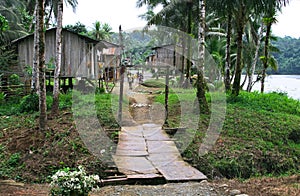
(241, 20)
(289, 56)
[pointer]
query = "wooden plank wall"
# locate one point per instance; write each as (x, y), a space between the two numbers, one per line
(78, 56)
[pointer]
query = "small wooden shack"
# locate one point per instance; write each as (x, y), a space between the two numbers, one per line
(108, 60)
(170, 55)
(79, 55)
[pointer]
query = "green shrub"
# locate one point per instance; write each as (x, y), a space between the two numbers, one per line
(13, 160)
(154, 83)
(65, 100)
(8, 163)
(14, 79)
(100, 90)
(295, 136)
(29, 103)
(2, 97)
(49, 101)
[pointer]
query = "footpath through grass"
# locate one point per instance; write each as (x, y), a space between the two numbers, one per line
(260, 136)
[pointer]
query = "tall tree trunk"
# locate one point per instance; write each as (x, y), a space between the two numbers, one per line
(55, 106)
(34, 79)
(188, 59)
(238, 70)
(42, 67)
(244, 81)
(203, 106)
(181, 82)
(266, 56)
(227, 80)
(252, 69)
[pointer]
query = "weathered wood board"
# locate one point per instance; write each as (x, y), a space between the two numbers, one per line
(146, 151)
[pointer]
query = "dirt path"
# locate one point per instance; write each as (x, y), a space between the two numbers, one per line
(144, 150)
(267, 186)
(141, 108)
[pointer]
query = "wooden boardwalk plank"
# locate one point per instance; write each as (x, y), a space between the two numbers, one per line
(156, 134)
(135, 145)
(131, 153)
(160, 147)
(146, 151)
(180, 171)
(134, 165)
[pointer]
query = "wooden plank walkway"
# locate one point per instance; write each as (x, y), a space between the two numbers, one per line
(146, 151)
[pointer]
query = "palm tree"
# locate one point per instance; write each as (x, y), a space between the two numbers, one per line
(149, 15)
(57, 58)
(3, 27)
(102, 31)
(52, 8)
(201, 50)
(58, 13)
(225, 10)
(35, 73)
(269, 20)
(240, 16)
(244, 9)
(10, 11)
(164, 17)
(265, 59)
(228, 53)
(41, 52)
(255, 58)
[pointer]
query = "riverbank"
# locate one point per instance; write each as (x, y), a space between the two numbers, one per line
(288, 84)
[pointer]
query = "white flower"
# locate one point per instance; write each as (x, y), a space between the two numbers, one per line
(102, 151)
(75, 180)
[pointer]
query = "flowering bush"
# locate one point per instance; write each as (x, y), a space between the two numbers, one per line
(66, 182)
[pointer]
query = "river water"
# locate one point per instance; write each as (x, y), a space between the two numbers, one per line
(289, 84)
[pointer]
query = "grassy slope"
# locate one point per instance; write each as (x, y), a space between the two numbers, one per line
(260, 136)
(31, 156)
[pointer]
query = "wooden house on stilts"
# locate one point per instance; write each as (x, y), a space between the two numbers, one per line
(82, 57)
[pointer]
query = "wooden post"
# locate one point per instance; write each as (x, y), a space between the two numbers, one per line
(167, 95)
(71, 82)
(122, 71)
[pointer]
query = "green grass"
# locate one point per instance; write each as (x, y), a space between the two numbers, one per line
(9, 163)
(269, 102)
(59, 146)
(105, 105)
(160, 83)
(260, 136)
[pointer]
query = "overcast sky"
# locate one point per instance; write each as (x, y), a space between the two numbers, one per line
(125, 13)
(288, 21)
(113, 12)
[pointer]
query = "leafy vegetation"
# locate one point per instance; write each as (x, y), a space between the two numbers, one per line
(29, 103)
(66, 182)
(9, 163)
(289, 56)
(60, 146)
(258, 137)
(24, 150)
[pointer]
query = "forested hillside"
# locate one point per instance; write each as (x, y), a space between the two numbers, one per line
(289, 56)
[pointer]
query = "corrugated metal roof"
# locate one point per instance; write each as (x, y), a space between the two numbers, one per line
(89, 40)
